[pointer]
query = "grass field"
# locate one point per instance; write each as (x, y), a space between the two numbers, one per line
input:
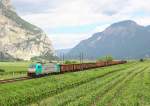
(13, 69)
(120, 85)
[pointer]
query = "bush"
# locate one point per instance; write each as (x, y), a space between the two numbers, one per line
(70, 62)
(106, 58)
(67, 62)
(141, 60)
(2, 70)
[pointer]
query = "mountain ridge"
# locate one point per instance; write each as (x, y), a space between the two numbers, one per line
(125, 39)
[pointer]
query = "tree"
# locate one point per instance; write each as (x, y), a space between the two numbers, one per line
(106, 58)
(70, 62)
(109, 58)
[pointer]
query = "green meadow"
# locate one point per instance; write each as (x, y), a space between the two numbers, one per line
(13, 69)
(119, 85)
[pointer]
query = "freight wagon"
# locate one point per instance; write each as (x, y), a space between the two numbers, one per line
(36, 70)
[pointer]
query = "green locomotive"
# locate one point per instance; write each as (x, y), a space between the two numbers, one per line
(39, 69)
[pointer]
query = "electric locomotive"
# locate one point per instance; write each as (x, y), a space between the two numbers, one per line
(38, 69)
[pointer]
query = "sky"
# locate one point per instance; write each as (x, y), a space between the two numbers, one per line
(67, 22)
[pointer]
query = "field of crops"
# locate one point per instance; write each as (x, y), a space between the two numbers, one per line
(13, 69)
(120, 85)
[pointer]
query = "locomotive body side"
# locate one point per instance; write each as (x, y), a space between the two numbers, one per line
(36, 70)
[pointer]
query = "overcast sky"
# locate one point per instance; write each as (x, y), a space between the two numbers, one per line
(67, 22)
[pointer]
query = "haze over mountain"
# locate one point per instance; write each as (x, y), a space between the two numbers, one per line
(60, 52)
(125, 39)
(18, 38)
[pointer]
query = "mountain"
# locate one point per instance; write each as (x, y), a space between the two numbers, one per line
(148, 27)
(125, 39)
(5, 56)
(18, 38)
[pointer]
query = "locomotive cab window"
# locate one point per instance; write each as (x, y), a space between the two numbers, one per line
(39, 67)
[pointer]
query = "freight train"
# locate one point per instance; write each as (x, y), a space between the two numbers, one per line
(38, 69)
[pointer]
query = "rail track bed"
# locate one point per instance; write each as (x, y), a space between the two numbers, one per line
(14, 80)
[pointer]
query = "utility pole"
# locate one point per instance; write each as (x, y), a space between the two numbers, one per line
(59, 55)
(63, 58)
(81, 60)
(80, 57)
(60, 58)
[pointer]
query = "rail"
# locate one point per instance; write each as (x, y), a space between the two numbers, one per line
(14, 80)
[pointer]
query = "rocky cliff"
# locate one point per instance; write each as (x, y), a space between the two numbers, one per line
(18, 38)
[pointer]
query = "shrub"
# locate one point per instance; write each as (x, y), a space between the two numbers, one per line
(2, 70)
(141, 60)
(70, 62)
(105, 58)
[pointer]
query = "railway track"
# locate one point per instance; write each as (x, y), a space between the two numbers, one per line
(14, 80)
(64, 70)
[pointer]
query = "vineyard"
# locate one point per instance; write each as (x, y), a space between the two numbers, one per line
(120, 85)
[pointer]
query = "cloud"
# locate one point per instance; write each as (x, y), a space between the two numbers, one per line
(61, 18)
(63, 40)
(34, 6)
(51, 14)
